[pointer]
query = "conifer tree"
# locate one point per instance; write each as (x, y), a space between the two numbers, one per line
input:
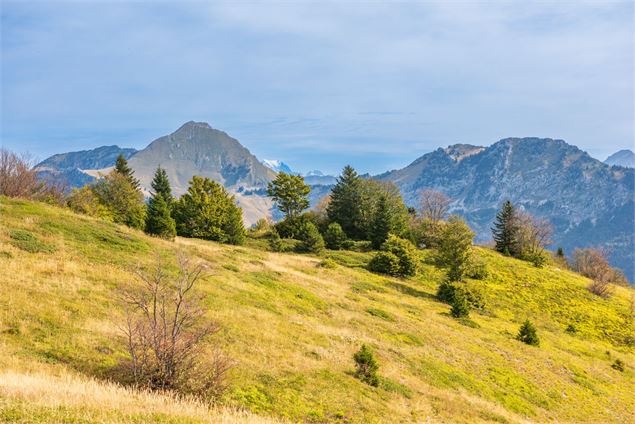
(122, 167)
(366, 366)
(334, 236)
(161, 185)
(122, 201)
(505, 230)
(208, 211)
(159, 222)
(344, 206)
(381, 224)
(527, 334)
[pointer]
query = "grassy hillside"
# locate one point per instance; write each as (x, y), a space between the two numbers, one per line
(292, 324)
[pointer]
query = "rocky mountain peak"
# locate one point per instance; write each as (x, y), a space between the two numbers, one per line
(459, 152)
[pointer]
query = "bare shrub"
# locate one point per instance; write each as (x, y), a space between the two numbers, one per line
(166, 331)
(433, 205)
(532, 236)
(18, 178)
(592, 263)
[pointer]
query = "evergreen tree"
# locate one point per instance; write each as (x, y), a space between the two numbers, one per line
(311, 239)
(560, 252)
(382, 225)
(527, 334)
(290, 194)
(460, 304)
(122, 167)
(505, 230)
(455, 248)
(334, 236)
(161, 185)
(121, 199)
(208, 211)
(345, 203)
(366, 366)
(159, 222)
(275, 242)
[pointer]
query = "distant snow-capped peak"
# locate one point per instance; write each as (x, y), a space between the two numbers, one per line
(278, 166)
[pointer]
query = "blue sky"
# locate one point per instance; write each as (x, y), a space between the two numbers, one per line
(318, 84)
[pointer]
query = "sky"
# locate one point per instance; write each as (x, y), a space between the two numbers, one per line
(317, 85)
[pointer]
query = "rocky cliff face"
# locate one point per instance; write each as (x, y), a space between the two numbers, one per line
(588, 202)
(198, 149)
(69, 169)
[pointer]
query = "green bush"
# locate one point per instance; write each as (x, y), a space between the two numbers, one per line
(275, 242)
(334, 236)
(328, 263)
(385, 263)
(460, 304)
(366, 366)
(446, 290)
(477, 270)
(527, 334)
(159, 221)
(311, 240)
(405, 252)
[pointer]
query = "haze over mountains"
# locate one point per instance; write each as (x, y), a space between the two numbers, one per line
(589, 202)
(624, 158)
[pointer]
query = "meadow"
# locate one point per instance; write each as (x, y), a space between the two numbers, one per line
(291, 324)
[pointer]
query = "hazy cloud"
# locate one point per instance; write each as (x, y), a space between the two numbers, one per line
(318, 85)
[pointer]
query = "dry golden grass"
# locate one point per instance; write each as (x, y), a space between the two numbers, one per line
(89, 400)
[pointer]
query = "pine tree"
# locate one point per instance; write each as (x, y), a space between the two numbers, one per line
(344, 206)
(334, 236)
(527, 334)
(505, 230)
(123, 202)
(208, 211)
(460, 304)
(311, 239)
(366, 366)
(122, 167)
(560, 252)
(161, 185)
(159, 222)
(381, 225)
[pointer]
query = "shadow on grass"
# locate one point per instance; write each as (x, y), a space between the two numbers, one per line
(410, 291)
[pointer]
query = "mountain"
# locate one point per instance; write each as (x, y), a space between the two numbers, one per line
(68, 168)
(278, 166)
(198, 149)
(588, 202)
(290, 324)
(625, 158)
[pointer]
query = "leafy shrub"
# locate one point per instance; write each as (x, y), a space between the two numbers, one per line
(385, 263)
(328, 263)
(405, 252)
(334, 236)
(446, 290)
(460, 304)
(477, 270)
(311, 240)
(366, 366)
(27, 241)
(275, 242)
(618, 365)
(527, 334)
(571, 329)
